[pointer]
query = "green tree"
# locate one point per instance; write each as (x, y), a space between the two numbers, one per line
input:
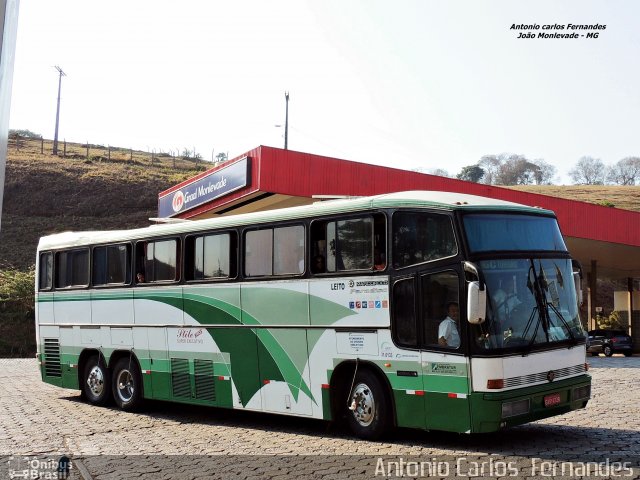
(613, 321)
(13, 133)
(471, 173)
(17, 289)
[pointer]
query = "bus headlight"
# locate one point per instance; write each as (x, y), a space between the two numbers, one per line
(511, 409)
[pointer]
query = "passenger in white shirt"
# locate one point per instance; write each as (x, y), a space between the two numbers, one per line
(448, 335)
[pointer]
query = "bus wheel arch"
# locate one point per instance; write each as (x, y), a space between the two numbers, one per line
(126, 377)
(362, 385)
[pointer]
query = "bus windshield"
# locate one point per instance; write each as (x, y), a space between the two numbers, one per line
(489, 232)
(531, 302)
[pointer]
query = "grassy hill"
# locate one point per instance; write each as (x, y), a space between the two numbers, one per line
(47, 194)
(626, 198)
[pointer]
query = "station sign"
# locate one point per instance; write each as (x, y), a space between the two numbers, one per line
(205, 189)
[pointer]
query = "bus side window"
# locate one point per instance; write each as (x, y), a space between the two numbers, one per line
(288, 254)
(46, 271)
(348, 245)
(111, 265)
(72, 268)
(422, 237)
(157, 261)
(404, 313)
(210, 257)
(258, 253)
(379, 242)
(439, 290)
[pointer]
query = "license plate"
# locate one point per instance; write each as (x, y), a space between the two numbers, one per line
(551, 400)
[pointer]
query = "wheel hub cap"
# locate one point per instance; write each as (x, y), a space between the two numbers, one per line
(95, 380)
(363, 405)
(125, 385)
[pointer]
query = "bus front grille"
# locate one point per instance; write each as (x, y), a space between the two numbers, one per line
(52, 366)
(543, 376)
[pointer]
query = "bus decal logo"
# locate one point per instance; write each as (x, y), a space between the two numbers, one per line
(178, 201)
(187, 335)
(378, 304)
(444, 368)
(352, 305)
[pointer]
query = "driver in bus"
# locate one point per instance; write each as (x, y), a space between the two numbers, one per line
(448, 335)
(505, 301)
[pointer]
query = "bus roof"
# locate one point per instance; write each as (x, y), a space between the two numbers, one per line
(432, 199)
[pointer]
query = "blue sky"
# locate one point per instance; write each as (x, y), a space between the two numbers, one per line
(415, 84)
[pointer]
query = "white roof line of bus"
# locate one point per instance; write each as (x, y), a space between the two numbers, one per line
(432, 199)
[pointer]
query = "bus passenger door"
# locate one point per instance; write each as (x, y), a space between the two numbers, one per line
(444, 366)
(404, 358)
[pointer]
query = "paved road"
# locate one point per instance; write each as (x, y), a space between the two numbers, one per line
(39, 423)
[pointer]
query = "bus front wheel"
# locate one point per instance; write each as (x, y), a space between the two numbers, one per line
(96, 382)
(368, 409)
(127, 384)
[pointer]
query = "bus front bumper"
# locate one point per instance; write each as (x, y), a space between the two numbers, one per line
(491, 412)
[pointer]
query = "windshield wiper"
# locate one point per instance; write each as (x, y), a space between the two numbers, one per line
(541, 301)
(564, 322)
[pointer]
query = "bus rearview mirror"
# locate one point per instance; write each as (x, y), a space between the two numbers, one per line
(578, 284)
(476, 303)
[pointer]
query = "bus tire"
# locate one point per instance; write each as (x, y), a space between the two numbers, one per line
(368, 410)
(96, 381)
(127, 384)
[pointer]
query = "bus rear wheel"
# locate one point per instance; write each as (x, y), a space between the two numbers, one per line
(96, 381)
(368, 409)
(127, 384)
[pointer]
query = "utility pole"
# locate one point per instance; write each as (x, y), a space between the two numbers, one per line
(286, 122)
(8, 34)
(55, 135)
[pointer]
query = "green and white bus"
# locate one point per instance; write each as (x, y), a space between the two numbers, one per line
(340, 309)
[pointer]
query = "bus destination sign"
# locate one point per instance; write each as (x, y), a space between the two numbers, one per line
(205, 189)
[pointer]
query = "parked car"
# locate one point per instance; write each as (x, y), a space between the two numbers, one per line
(609, 342)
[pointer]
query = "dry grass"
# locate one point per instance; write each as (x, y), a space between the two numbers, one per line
(626, 198)
(46, 194)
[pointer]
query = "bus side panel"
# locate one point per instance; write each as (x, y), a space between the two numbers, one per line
(218, 308)
(44, 307)
(446, 384)
(50, 361)
(403, 370)
(282, 352)
(156, 308)
(351, 306)
(112, 306)
(72, 307)
(69, 355)
(157, 384)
